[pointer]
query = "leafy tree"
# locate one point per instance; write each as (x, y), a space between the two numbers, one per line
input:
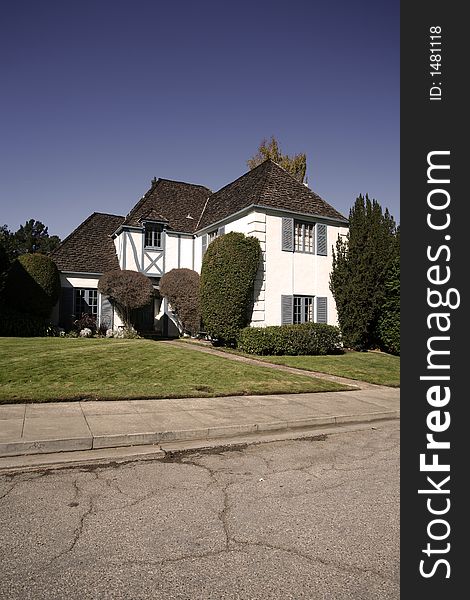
(181, 288)
(33, 236)
(295, 165)
(127, 291)
(360, 268)
(388, 327)
(33, 285)
(7, 244)
(228, 275)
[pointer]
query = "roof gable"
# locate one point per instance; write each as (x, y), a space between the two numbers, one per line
(89, 248)
(180, 204)
(266, 185)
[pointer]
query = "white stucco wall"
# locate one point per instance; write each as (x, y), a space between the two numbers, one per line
(179, 251)
(282, 273)
(296, 273)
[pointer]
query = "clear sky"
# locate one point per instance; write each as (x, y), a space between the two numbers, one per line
(99, 96)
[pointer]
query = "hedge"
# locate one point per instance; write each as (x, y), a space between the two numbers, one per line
(307, 338)
(33, 285)
(18, 324)
(227, 282)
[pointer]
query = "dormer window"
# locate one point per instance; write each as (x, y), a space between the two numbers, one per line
(153, 235)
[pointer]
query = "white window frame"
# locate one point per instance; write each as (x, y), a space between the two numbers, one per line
(156, 235)
(302, 309)
(304, 237)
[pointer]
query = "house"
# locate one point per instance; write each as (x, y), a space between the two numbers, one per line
(172, 225)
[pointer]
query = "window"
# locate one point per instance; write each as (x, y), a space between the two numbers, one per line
(212, 235)
(153, 235)
(304, 237)
(300, 309)
(86, 302)
(207, 238)
(303, 309)
(300, 236)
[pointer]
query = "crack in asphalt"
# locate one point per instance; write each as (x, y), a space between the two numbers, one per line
(345, 568)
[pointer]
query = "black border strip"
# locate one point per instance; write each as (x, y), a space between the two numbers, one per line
(430, 126)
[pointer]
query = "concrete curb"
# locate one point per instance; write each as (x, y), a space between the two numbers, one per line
(102, 442)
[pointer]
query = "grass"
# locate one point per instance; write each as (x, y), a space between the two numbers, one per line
(54, 369)
(373, 367)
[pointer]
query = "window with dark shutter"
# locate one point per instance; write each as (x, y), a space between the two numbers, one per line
(287, 234)
(322, 244)
(322, 309)
(286, 310)
(204, 244)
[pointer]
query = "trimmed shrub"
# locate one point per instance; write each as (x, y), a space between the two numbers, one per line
(293, 340)
(127, 291)
(227, 281)
(33, 285)
(181, 288)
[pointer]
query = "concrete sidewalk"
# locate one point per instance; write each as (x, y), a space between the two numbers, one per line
(27, 429)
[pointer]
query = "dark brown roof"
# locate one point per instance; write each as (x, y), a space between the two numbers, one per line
(171, 201)
(90, 248)
(266, 185)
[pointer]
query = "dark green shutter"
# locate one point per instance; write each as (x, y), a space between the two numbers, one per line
(322, 309)
(66, 307)
(106, 314)
(204, 244)
(287, 310)
(322, 245)
(287, 234)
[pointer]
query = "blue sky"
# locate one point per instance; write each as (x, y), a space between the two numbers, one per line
(98, 97)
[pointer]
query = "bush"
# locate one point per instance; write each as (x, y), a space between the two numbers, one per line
(388, 327)
(17, 324)
(33, 285)
(307, 338)
(128, 291)
(86, 322)
(181, 288)
(228, 275)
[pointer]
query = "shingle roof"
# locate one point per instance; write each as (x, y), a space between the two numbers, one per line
(172, 201)
(267, 185)
(90, 248)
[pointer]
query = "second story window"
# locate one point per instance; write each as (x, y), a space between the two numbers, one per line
(212, 235)
(153, 235)
(304, 237)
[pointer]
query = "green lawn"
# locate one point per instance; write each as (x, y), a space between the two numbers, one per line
(373, 367)
(51, 369)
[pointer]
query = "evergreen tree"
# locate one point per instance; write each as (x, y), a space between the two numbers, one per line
(295, 165)
(360, 267)
(33, 236)
(388, 330)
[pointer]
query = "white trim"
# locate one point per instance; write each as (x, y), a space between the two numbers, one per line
(275, 211)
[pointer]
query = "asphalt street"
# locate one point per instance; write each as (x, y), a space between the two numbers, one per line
(315, 519)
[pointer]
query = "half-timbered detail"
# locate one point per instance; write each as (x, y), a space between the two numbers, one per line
(171, 227)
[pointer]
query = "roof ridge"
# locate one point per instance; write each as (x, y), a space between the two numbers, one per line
(199, 185)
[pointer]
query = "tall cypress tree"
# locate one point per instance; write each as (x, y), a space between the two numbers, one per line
(360, 267)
